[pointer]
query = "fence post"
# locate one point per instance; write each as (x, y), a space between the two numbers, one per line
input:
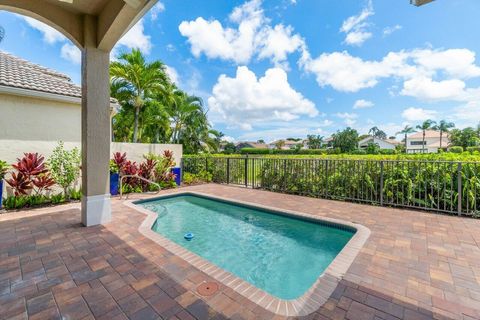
(228, 170)
(326, 178)
(381, 183)
(246, 172)
(206, 164)
(459, 190)
(284, 175)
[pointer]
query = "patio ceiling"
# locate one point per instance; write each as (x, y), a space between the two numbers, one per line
(112, 17)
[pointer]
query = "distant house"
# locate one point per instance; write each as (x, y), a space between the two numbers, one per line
(287, 144)
(415, 143)
(249, 144)
(382, 143)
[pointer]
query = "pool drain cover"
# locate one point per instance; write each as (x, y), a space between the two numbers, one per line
(207, 288)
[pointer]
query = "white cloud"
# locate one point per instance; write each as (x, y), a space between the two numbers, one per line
(426, 89)
(135, 38)
(71, 53)
(156, 10)
(173, 75)
(228, 139)
(50, 35)
(362, 104)
(468, 115)
(245, 100)
(418, 114)
(253, 36)
(418, 67)
(355, 27)
(389, 30)
(348, 118)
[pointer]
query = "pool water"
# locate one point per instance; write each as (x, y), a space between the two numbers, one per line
(281, 255)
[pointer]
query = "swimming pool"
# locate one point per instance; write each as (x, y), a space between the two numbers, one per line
(280, 254)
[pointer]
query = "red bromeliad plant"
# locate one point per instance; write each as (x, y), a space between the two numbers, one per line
(130, 169)
(31, 172)
(43, 182)
(120, 160)
(20, 183)
(31, 165)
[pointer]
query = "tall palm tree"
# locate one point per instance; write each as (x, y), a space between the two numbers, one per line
(134, 80)
(443, 126)
(182, 109)
(426, 125)
(406, 131)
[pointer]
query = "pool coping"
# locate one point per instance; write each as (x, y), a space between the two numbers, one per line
(309, 302)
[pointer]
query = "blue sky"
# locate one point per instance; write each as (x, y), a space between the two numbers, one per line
(287, 68)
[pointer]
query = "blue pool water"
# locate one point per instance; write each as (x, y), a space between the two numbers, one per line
(280, 255)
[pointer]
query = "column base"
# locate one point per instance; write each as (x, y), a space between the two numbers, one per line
(96, 210)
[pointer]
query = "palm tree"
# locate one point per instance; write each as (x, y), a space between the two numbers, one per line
(406, 131)
(184, 108)
(426, 125)
(2, 33)
(444, 126)
(133, 80)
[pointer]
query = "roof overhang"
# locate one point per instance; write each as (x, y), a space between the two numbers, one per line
(419, 3)
(111, 18)
(34, 94)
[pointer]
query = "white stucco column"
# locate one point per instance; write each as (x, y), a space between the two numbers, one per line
(96, 207)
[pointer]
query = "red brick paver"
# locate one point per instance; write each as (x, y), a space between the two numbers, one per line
(415, 265)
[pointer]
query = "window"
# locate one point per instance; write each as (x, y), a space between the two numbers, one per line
(418, 143)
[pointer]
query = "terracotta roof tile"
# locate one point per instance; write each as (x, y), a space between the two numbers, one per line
(19, 73)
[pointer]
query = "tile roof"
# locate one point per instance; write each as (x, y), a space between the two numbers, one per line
(428, 134)
(19, 73)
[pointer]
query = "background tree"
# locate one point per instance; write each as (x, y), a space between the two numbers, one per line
(426, 125)
(345, 140)
(279, 144)
(314, 141)
(465, 138)
(406, 131)
(444, 127)
(229, 148)
(377, 133)
(134, 81)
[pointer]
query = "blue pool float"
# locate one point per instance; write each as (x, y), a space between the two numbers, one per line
(189, 236)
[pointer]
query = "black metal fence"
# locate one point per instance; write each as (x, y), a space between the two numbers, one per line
(441, 186)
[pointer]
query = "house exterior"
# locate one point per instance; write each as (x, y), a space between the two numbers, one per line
(415, 143)
(249, 144)
(40, 107)
(288, 144)
(382, 143)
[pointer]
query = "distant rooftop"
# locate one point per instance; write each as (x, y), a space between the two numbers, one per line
(428, 134)
(18, 73)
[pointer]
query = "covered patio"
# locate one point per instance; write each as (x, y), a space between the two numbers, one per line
(414, 265)
(94, 26)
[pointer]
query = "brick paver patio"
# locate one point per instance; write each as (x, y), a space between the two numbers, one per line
(415, 265)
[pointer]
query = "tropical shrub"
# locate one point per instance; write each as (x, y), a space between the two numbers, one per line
(65, 167)
(456, 149)
(473, 149)
(3, 169)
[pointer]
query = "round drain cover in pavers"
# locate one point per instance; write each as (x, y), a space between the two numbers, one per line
(207, 288)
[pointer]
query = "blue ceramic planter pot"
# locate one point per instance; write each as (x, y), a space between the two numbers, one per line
(1, 193)
(178, 175)
(114, 182)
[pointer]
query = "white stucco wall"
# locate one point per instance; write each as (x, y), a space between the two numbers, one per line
(135, 151)
(34, 119)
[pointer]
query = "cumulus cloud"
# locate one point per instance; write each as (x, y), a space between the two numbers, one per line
(251, 36)
(136, 38)
(356, 27)
(362, 104)
(418, 114)
(426, 74)
(245, 99)
(426, 89)
(50, 35)
(71, 53)
(468, 114)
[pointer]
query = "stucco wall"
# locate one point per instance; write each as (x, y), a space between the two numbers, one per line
(33, 119)
(135, 151)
